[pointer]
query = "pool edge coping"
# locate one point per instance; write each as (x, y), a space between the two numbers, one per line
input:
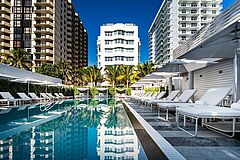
(169, 151)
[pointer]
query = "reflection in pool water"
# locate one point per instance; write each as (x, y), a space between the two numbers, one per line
(96, 130)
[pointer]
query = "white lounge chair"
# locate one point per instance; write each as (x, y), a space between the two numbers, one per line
(206, 108)
(8, 99)
(35, 97)
(183, 98)
(51, 96)
(24, 97)
(170, 97)
(151, 96)
(58, 96)
(45, 96)
(158, 97)
(65, 97)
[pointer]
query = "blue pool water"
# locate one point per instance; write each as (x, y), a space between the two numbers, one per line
(87, 129)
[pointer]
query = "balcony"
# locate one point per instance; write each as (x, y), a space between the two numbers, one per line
(4, 44)
(5, 3)
(5, 24)
(44, 38)
(44, 45)
(4, 38)
(45, 52)
(46, 3)
(5, 10)
(44, 17)
(4, 17)
(44, 58)
(48, 10)
(4, 30)
(47, 24)
(44, 31)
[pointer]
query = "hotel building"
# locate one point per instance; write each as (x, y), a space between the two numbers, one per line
(175, 22)
(118, 44)
(50, 30)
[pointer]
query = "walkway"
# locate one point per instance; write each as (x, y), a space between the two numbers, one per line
(208, 145)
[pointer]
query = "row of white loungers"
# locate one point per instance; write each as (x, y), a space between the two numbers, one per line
(8, 99)
(206, 109)
(169, 104)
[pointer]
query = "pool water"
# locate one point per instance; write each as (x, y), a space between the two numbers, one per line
(86, 129)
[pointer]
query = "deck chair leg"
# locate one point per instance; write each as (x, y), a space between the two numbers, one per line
(184, 121)
(166, 114)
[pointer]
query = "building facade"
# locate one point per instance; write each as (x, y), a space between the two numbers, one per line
(175, 22)
(118, 44)
(50, 30)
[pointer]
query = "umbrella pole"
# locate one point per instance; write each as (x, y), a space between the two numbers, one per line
(179, 81)
(27, 88)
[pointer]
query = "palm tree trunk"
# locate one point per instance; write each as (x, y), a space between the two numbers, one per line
(127, 83)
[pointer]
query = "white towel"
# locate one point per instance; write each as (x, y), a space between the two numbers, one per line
(201, 103)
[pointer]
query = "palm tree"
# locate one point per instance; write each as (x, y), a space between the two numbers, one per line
(128, 74)
(112, 73)
(49, 69)
(145, 69)
(65, 70)
(17, 58)
(92, 74)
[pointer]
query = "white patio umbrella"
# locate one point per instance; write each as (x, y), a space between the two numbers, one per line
(26, 80)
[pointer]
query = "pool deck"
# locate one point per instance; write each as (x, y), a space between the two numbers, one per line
(207, 145)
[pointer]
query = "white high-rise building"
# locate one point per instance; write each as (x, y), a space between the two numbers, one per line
(118, 44)
(175, 22)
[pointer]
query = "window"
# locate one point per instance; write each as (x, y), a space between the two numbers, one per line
(129, 42)
(184, 25)
(184, 11)
(129, 33)
(108, 50)
(183, 4)
(214, 12)
(193, 24)
(213, 5)
(204, 18)
(129, 58)
(184, 18)
(108, 59)
(193, 31)
(184, 31)
(183, 38)
(108, 34)
(193, 11)
(129, 50)
(119, 41)
(194, 5)
(119, 58)
(108, 42)
(193, 18)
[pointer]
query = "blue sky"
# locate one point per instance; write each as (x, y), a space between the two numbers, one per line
(95, 13)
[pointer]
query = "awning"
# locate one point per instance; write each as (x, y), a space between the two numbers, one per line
(102, 89)
(12, 73)
(83, 89)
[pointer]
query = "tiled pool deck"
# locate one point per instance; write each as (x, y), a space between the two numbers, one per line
(208, 145)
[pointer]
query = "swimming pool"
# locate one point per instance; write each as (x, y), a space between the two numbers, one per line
(86, 129)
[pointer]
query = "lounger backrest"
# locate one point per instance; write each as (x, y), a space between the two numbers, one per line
(61, 94)
(57, 95)
(23, 96)
(155, 94)
(33, 95)
(186, 95)
(214, 96)
(50, 95)
(172, 95)
(6, 95)
(44, 96)
(160, 95)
